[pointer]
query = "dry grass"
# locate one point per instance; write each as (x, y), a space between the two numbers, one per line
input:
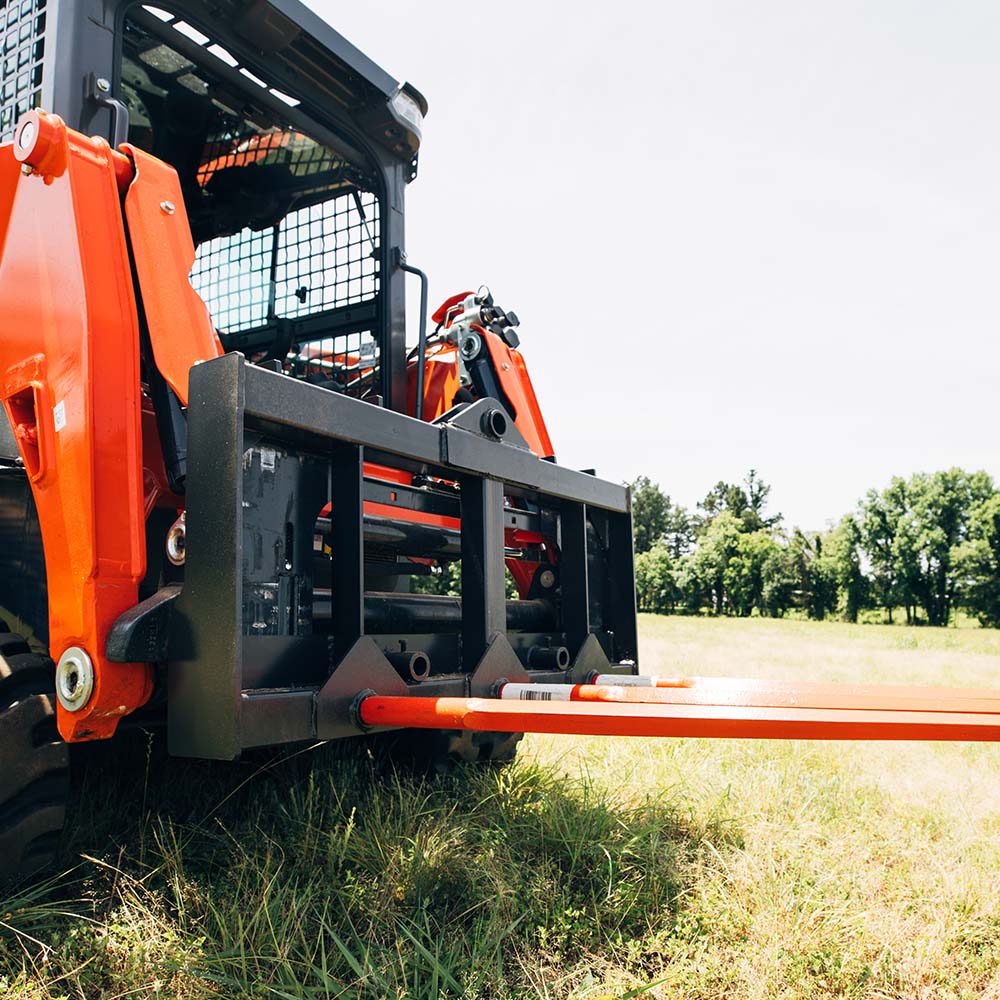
(591, 868)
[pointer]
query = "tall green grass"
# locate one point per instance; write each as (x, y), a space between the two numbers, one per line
(588, 868)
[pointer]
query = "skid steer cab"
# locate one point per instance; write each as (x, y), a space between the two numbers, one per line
(231, 487)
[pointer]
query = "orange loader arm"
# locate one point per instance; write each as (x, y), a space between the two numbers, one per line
(70, 382)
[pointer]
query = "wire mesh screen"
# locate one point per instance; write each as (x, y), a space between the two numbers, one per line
(287, 230)
(317, 258)
(348, 362)
(22, 48)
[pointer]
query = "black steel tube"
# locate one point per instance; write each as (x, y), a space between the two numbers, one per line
(423, 613)
(422, 337)
(548, 658)
(415, 666)
(406, 538)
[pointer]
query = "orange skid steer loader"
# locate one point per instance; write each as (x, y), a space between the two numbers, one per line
(225, 475)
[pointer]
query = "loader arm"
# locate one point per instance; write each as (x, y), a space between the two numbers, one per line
(69, 365)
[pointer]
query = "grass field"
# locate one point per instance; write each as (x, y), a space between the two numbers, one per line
(590, 868)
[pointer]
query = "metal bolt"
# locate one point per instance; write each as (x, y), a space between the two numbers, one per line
(104, 86)
(469, 347)
(177, 541)
(26, 169)
(547, 578)
(167, 207)
(74, 679)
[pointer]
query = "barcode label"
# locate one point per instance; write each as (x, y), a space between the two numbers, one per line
(537, 692)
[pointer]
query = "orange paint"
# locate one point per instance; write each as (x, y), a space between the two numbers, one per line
(610, 719)
(515, 381)
(180, 330)
(752, 693)
(69, 380)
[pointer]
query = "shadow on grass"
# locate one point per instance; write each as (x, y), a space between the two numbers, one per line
(332, 873)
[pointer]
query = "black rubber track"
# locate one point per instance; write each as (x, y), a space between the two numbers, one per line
(34, 762)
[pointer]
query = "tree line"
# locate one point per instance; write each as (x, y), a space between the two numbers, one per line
(922, 547)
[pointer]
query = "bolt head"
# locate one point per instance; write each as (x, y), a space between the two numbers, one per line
(26, 169)
(547, 578)
(103, 85)
(167, 207)
(469, 346)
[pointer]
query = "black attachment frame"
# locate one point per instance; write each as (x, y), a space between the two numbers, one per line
(253, 661)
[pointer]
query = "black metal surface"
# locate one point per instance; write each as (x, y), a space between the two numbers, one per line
(9, 453)
(400, 614)
(485, 419)
(206, 637)
(620, 586)
(411, 665)
(142, 634)
(573, 565)
(422, 335)
(292, 46)
(404, 538)
(267, 454)
(484, 605)
(307, 416)
(347, 493)
(23, 591)
(99, 93)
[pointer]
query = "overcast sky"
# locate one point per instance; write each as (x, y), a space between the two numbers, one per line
(736, 234)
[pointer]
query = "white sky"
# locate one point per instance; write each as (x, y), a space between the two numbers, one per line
(736, 234)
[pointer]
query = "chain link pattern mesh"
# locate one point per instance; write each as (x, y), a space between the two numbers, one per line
(316, 258)
(284, 227)
(22, 48)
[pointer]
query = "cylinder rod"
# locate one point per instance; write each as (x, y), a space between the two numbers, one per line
(389, 613)
(610, 719)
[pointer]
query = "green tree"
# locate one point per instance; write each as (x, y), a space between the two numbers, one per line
(909, 533)
(656, 518)
(942, 505)
(717, 546)
(879, 516)
(446, 582)
(779, 582)
(655, 584)
(747, 569)
(650, 513)
(814, 573)
(977, 563)
(692, 591)
(746, 501)
(843, 548)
